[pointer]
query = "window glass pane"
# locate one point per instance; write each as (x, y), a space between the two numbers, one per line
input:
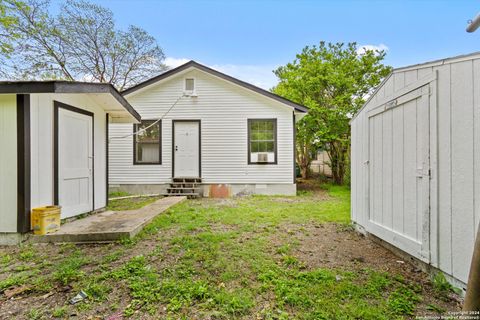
(147, 142)
(189, 84)
(254, 136)
(269, 125)
(254, 147)
(268, 135)
(263, 147)
(148, 152)
(270, 147)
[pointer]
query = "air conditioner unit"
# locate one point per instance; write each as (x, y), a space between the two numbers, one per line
(190, 94)
(262, 157)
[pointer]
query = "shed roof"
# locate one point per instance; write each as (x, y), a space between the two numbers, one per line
(193, 64)
(427, 64)
(66, 87)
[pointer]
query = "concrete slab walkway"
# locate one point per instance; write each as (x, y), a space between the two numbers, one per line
(109, 226)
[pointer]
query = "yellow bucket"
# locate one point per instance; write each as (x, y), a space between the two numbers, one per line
(45, 219)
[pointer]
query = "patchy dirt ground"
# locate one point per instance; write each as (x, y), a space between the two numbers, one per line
(240, 258)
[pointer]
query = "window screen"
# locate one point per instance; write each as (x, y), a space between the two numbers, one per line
(147, 143)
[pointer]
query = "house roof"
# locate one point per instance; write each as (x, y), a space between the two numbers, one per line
(193, 64)
(27, 87)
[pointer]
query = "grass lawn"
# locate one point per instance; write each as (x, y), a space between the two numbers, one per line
(253, 257)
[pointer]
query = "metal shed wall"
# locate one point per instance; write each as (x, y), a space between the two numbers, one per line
(8, 163)
(454, 145)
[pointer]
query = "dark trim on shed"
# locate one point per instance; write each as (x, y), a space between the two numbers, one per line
(160, 139)
(249, 121)
(221, 75)
(56, 106)
(199, 145)
(27, 87)
(23, 163)
(107, 156)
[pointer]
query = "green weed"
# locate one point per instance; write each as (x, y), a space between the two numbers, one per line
(35, 314)
(59, 312)
(130, 203)
(68, 270)
(402, 301)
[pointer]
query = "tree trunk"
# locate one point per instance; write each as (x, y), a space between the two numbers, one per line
(337, 153)
(303, 159)
(304, 172)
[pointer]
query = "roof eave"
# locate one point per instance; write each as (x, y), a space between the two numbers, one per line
(28, 87)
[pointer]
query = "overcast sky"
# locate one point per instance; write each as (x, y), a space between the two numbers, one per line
(248, 39)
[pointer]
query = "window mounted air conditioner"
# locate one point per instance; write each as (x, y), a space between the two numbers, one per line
(262, 157)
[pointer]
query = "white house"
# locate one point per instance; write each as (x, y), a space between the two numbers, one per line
(208, 126)
(416, 163)
(53, 137)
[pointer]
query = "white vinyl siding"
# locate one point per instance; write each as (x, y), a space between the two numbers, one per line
(223, 109)
(8, 163)
(41, 110)
(454, 143)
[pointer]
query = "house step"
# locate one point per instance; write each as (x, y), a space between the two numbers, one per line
(184, 186)
(187, 180)
(189, 195)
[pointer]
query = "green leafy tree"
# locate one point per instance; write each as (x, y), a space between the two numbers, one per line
(80, 43)
(333, 80)
(6, 34)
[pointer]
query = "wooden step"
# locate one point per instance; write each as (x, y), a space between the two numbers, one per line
(186, 194)
(184, 185)
(187, 180)
(183, 188)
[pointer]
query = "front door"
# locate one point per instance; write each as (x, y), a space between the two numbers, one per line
(186, 149)
(75, 162)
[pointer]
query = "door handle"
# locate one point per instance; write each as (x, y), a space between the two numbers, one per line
(176, 148)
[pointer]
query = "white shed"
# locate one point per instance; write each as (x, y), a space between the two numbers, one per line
(53, 142)
(416, 163)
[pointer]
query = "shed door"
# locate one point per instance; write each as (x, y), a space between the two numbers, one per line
(75, 159)
(186, 146)
(399, 172)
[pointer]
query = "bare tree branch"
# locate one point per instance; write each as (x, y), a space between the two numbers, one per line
(80, 43)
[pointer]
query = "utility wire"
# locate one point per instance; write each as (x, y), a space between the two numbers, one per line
(156, 121)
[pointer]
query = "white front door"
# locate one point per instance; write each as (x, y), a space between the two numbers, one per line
(75, 160)
(186, 148)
